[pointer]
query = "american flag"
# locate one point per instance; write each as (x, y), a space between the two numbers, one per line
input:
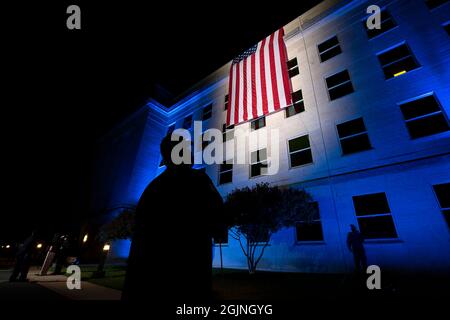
(259, 81)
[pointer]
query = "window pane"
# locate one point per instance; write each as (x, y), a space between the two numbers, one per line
(301, 158)
(419, 107)
(443, 194)
(226, 167)
(368, 204)
(309, 231)
(351, 127)
(299, 143)
(427, 126)
(292, 63)
(328, 44)
(330, 54)
(377, 227)
(293, 72)
(356, 144)
(394, 54)
(297, 96)
(225, 177)
(397, 61)
(294, 109)
(341, 91)
(400, 67)
(258, 123)
(387, 23)
(337, 78)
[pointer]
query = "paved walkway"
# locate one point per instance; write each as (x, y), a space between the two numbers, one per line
(52, 287)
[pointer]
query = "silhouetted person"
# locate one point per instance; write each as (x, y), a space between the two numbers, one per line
(23, 259)
(355, 243)
(59, 247)
(171, 251)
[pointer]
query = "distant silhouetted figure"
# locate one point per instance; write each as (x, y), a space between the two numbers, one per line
(355, 243)
(23, 259)
(171, 251)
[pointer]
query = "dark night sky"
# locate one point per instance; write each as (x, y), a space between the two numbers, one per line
(63, 89)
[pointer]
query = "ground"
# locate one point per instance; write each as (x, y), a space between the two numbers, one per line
(231, 284)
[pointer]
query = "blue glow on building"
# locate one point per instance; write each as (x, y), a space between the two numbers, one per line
(403, 168)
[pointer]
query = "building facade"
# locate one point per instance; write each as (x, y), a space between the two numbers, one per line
(368, 137)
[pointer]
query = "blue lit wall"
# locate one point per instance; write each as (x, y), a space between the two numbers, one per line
(403, 168)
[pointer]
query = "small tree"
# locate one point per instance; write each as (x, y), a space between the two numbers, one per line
(121, 227)
(257, 213)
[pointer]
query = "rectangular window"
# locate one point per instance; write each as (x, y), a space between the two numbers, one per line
(339, 85)
(310, 230)
(374, 216)
(328, 49)
(226, 103)
(353, 136)
(397, 61)
(297, 104)
(293, 67)
(258, 161)
(424, 117)
(435, 3)
(228, 132)
(300, 151)
(187, 122)
(258, 123)
(442, 192)
(387, 23)
(225, 173)
(207, 112)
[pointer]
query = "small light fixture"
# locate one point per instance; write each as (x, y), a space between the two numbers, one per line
(8, 246)
(106, 247)
(400, 73)
(85, 238)
(39, 246)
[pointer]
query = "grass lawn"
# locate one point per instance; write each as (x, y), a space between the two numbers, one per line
(114, 276)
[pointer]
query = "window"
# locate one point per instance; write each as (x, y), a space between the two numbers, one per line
(397, 61)
(297, 104)
(424, 117)
(207, 112)
(228, 132)
(293, 67)
(225, 172)
(258, 123)
(435, 3)
(187, 123)
(374, 216)
(226, 103)
(353, 136)
(310, 230)
(339, 85)
(259, 237)
(442, 192)
(328, 49)
(447, 28)
(387, 23)
(300, 151)
(258, 161)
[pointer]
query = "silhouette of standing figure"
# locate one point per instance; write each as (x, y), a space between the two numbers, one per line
(23, 259)
(171, 251)
(355, 243)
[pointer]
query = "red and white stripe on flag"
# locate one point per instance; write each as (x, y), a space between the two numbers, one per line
(259, 84)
